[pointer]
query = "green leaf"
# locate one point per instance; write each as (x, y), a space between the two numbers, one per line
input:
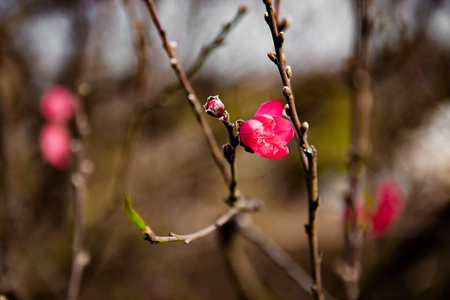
(132, 214)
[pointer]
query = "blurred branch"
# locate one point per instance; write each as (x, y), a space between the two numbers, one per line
(191, 97)
(308, 153)
(8, 187)
(241, 269)
(240, 206)
(82, 167)
(155, 101)
(360, 143)
(275, 253)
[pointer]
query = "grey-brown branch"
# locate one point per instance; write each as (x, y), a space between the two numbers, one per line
(360, 144)
(191, 97)
(80, 256)
(308, 154)
(244, 205)
(160, 99)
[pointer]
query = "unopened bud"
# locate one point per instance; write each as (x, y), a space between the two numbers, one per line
(272, 56)
(220, 40)
(288, 71)
(305, 127)
(228, 152)
(287, 91)
(173, 61)
(243, 9)
(285, 23)
(281, 36)
(214, 107)
(287, 110)
(173, 45)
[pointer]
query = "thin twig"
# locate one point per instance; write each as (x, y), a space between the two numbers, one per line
(308, 153)
(159, 99)
(361, 111)
(190, 95)
(241, 206)
(79, 182)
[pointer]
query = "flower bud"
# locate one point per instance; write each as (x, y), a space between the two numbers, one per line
(214, 107)
(228, 152)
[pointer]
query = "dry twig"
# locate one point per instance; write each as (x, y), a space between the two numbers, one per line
(239, 207)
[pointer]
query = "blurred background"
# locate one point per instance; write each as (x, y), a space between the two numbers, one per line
(172, 178)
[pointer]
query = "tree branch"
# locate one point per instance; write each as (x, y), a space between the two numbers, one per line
(155, 101)
(308, 153)
(80, 256)
(191, 97)
(360, 143)
(243, 205)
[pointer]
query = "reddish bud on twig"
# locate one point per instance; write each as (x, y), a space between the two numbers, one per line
(228, 152)
(214, 107)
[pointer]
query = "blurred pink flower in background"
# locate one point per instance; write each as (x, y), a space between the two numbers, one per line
(54, 142)
(57, 105)
(389, 197)
(267, 133)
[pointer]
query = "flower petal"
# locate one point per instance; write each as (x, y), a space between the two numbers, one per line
(248, 132)
(283, 130)
(270, 148)
(272, 108)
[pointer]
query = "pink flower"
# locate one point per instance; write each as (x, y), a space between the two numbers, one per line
(57, 105)
(267, 133)
(54, 142)
(389, 197)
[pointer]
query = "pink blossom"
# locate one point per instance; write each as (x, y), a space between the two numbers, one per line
(57, 105)
(267, 133)
(389, 197)
(54, 142)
